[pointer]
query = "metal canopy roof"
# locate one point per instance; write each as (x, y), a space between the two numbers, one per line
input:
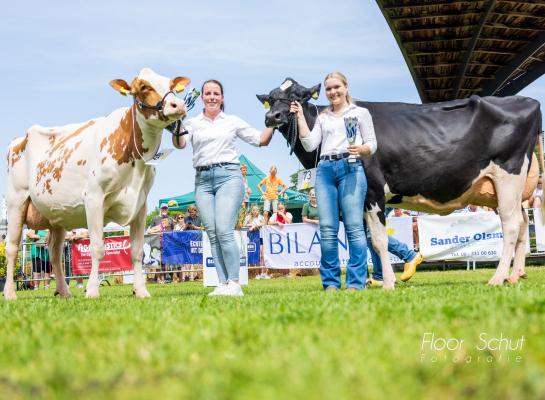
(455, 49)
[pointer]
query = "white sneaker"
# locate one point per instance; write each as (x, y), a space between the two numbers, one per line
(233, 289)
(79, 286)
(260, 276)
(266, 276)
(219, 290)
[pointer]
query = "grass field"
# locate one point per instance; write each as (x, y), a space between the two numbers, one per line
(285, 339)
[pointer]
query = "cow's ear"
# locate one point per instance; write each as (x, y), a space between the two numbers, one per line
(179, 83)
(313, 92)
(121, 86)
(265, 99)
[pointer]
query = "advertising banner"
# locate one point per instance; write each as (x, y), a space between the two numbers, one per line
(151, 257)
(297, 246)
(210, 276)
(475, 236)
(184, 247)
(117, 256)
(540, 230)
(253, 247)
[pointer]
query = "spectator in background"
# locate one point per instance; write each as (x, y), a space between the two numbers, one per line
(41, 267)
(71, 237)
(162, 222)
(536, 199)
(270, 194)
(192, 221)
(159, 224)
(254, 221)
(310, 209)
(398, 212)
(281, 216)
(247, 190)
(179, 225)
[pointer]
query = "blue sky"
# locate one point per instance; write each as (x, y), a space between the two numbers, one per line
(58, 57)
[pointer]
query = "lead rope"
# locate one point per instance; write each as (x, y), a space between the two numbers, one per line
(317, 149)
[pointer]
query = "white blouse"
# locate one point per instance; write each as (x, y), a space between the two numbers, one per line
(329, 130)
(213, 141)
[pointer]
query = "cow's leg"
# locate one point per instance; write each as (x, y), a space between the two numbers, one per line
(94, 209)
(520, 251)
(56, 241)
(509, 191)
(137, 239)
(17, 208)
(379, 237)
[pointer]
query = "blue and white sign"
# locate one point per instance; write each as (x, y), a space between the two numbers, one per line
(210, 276)
(473, 236)
(183, 247)
(297, 246)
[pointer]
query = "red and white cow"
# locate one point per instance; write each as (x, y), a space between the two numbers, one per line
(91, 173)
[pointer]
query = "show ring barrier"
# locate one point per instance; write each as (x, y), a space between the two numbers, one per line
(470, 237)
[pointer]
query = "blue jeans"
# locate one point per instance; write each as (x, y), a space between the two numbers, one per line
(395, 247)
(341, 185)
(219, 192)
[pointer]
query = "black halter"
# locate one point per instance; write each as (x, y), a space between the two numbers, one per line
(157, 107)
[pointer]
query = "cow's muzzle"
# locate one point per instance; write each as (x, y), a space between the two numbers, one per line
(275, 119)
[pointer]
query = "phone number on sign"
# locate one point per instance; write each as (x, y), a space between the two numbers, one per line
(475, 253)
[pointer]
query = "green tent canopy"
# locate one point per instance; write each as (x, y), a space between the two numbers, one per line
(255, 175)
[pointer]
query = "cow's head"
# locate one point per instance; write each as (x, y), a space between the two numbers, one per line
(154, 95)
(279, 99)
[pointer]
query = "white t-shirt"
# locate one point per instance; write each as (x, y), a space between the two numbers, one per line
(213, 141)
(274, 217)
(255, 221)
(329, 130)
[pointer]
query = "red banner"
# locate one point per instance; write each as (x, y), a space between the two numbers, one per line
(117, 256)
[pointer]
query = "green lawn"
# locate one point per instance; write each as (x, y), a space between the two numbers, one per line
(285, 339)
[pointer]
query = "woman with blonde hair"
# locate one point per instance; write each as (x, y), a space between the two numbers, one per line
(346, 134)
(254, 221)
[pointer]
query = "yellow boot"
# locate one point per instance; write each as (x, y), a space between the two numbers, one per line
(409, 269)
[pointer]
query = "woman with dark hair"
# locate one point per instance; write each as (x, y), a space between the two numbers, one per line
(219, 188)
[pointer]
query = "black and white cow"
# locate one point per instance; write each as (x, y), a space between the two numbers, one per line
(437, 158)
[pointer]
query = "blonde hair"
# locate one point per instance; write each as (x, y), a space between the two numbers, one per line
(340, 76)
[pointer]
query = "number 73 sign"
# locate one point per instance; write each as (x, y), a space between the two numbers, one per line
(306, 179)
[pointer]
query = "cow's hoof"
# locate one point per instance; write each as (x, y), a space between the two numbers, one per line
(497, 281)
(524, 275)
(141, 293)
(388, 285)
(512, 279)
(92, 293)
(63, 295)
(10, 295)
